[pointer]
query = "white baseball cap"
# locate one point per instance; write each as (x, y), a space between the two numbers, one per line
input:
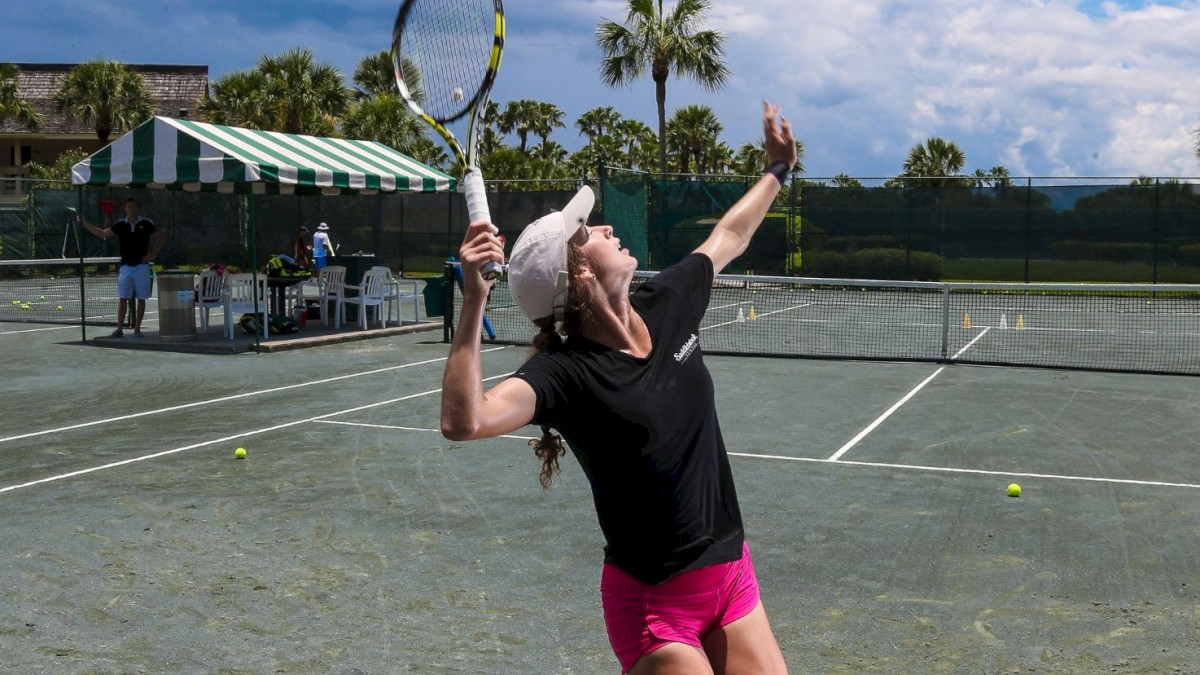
(537, 268)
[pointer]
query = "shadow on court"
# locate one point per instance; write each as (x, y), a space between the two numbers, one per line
(354, 538)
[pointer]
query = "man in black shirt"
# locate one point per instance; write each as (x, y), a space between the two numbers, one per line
(134, 234)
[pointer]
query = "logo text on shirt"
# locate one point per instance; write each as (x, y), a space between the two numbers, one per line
(686, 350)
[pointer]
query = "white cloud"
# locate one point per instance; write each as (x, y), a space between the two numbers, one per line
(1043, 87)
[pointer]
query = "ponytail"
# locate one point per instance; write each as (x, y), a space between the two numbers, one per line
(548, 448)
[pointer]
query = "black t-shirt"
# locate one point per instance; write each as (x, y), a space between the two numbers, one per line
(645, 433)
(134, 239)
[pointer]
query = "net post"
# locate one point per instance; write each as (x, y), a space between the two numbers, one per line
(945, 321)
(447, 301)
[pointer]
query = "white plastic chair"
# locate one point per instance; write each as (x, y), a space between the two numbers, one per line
(370, 293)
(242, 291)
(399, 290)
(330, 281)
(210, 294)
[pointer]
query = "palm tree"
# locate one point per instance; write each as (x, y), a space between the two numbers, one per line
(551, 152)
(691, 131)
(490, 138)
(374, 75)
(604, 150)
(633, 133)
(307, 95)
(935, 158)
(239, 99)
(598, 122)
(105, 95)
(548, 118)
(386, 119)
(520, 117)
(665, 43)
(12, 104)
(749, 159)
(843, 180)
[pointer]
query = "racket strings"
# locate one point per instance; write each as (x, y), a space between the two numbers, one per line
(443, 51)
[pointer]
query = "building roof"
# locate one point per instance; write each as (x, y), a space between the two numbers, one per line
(175, 89)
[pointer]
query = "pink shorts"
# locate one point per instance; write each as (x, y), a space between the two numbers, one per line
(642, 617)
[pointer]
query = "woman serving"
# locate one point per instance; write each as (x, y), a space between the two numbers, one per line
(622, 379)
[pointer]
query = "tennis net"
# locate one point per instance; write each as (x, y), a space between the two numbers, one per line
(52, 290)
(1112, 327)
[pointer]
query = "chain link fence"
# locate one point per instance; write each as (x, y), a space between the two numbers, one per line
(1102, 230)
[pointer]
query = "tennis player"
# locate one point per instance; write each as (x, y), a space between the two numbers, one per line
(135, 234)
(629, 392)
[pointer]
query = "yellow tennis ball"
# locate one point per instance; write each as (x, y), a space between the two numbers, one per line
(1014, 490)
(240, 453)
(60, 308)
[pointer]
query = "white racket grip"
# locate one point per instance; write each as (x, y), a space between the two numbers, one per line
(476, 193)
(477, 211)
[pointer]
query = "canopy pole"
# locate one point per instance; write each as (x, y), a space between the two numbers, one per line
(254, 270)
(82, 283)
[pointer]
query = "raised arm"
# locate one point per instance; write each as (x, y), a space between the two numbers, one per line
(732, 234)
(468, 412)
(103, 234)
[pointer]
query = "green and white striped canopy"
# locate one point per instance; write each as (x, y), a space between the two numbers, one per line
(175, 154)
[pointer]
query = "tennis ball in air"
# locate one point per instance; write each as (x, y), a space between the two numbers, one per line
(240, 453)
(457, 94)
(1014, 490)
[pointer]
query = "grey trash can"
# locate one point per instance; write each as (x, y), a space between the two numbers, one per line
(176, 306)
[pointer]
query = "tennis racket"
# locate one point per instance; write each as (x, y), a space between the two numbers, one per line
(446, 54)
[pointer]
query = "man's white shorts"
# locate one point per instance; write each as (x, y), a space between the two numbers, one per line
(134, 278)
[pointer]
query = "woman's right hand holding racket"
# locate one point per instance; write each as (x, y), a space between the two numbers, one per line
(481, 245)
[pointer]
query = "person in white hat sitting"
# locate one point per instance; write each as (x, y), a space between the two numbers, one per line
(629, 392)
(320, 245)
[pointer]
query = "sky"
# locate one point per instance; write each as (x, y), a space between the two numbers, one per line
(1045, 88)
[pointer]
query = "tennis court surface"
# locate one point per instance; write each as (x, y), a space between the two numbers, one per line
(355, 539)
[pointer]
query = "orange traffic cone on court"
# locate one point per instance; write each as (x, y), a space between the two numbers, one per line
(1020, 322)
(752, 315)
(966, 320)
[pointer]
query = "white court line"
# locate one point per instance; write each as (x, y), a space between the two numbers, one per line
(981, 472)
(225, 439)
(879, 420)
(400, 428)
(37, 330)
(223, 399)
(726, 323)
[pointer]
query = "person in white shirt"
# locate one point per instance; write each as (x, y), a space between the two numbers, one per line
(321, 244)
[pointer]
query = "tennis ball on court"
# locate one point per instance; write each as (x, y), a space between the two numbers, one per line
(43, 297)
(1014, 490)
(25, 306)
(240, 453)
(60, 308)
(16, 302)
